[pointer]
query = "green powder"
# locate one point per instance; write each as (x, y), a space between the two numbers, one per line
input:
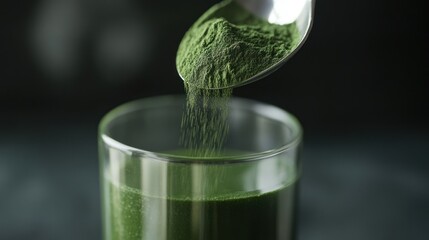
(225, 46)
(228, 45)
(204, 122)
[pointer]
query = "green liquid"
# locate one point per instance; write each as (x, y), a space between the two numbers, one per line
(133, 215)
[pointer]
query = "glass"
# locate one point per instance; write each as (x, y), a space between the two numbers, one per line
(152, 190)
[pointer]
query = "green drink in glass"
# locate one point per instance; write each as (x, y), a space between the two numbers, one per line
(152, 190)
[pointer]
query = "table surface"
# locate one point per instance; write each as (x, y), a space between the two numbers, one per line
(370, 185)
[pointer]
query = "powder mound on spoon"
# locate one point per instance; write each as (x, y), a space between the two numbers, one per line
(229, 45)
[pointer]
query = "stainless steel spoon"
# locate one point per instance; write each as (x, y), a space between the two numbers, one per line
(280, 12)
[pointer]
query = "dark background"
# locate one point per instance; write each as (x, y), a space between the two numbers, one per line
(359, 86)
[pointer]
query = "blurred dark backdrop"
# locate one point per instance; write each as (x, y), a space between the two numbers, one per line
(365, 62)
(359, 86)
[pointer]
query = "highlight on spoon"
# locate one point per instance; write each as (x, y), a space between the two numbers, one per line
(276, 11)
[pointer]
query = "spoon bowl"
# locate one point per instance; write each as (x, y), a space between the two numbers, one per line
(281, 12)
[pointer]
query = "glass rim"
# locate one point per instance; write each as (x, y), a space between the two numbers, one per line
(264, 109)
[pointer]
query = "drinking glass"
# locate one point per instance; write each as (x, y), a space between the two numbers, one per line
(152, 189)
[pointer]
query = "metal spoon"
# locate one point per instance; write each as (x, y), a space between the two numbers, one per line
(280, 12)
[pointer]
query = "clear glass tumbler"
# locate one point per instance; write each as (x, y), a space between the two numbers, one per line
(153, 190)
